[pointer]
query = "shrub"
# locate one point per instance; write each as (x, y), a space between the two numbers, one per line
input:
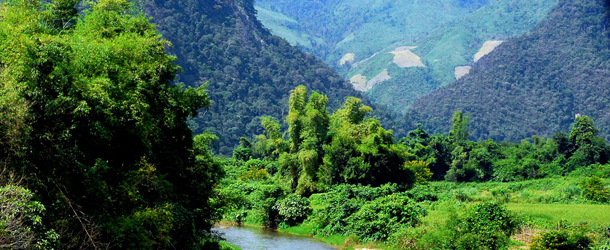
(263, 201)
(572, 191)
(341, 202)
(20, 217)
(378, 219)
(501, 193)
(421, 170)
(561, 239)
(594, 189)
(485, 225)
(293, 209)
(422, 193)
(256, 171)
(464, 194)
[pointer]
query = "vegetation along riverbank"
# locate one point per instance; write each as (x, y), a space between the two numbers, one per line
(342, 176)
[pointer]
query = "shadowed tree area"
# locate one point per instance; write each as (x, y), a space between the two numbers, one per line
(92, 121)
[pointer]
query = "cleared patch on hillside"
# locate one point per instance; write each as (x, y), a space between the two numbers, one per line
(383, 76)
(461, 71)
(347, 58)
(358, 63)
(404, 58)
(487, 48)
(359, 82)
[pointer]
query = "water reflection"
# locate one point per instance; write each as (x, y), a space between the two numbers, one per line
(249, 238)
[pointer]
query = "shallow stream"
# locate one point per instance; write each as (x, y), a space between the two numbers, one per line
(251, 238)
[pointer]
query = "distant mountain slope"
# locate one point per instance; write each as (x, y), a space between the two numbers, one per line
(534, 84)
(397, 51)
(332, 28)
(447, 49)
(250, 72)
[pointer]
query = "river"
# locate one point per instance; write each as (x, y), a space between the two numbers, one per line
(251, 238)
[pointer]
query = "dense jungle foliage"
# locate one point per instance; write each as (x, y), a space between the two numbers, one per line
(248, 71)
(343, 174)
(93, 126)
(534, 84)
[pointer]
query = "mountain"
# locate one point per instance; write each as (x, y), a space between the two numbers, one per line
(333, 28)
(418, 66)
(533, 84)
(249, 71)
(397, 51)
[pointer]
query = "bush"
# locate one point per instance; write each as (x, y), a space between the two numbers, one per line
(293, 209)
(378, 219)
(501, 193)
(421, 170)
(594, 189)
(341, 202)
(464, 194)
(485, 225)
(561, 239)
(20, 219)
(422, 193)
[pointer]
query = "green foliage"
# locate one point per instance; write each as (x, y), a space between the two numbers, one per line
(368, 212)
(473, 161)
(459, 129)
(93, 120)
(323, 150)
(361, 151)
(561, 239)
(595, 189)
(421, 170)
(21, 220)
(380, 218)
(485, 225)
(293, 209)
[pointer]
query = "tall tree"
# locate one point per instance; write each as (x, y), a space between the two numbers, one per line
(96, 125)
(459, 129)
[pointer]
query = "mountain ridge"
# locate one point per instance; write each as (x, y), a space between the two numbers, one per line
(533, 84)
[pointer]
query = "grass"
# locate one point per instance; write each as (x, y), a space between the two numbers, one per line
(226, 246)
(594, 215)
(303, 230)
(307, 229)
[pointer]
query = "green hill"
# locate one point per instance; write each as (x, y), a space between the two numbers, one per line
(339, 27)
(398, 51)
(453, 45)
(250, 72)
(534, 84)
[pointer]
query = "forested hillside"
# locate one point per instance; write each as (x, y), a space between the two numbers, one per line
(331, 29)
(397, 51)
(444, 52)
(250, 72)
(534, 84)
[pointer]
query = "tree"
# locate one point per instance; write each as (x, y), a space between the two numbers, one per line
(459, 129)
(98, 128)
(588, 147)
(362, 151)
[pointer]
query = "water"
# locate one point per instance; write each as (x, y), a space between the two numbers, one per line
(250, 238)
